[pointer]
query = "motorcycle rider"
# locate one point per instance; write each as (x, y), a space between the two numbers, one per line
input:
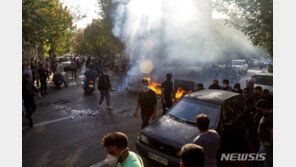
(58, 73)
(90, 75)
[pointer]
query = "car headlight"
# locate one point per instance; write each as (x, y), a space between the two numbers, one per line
(144, 139)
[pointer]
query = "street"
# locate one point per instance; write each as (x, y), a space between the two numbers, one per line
(68, 126)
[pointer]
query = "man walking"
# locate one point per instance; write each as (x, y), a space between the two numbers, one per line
(118, 151)
(148, 103)
(42, 76)
(104, 86)
(166, 93)
(73, 68)
(28, 89)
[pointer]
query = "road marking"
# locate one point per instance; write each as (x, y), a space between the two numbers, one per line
(102, 163)
(48, 122)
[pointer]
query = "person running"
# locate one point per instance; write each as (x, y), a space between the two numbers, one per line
(118, 151)
(166, 93)
(191, 155)
(28, 89)
(104, 86)
(148, 103)
(215, 85)
(208, 139)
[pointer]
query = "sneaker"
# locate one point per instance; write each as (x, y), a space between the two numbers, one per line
(109, 108)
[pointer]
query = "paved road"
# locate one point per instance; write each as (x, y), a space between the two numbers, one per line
(69, 126)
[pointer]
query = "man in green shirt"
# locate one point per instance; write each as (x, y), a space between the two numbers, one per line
(118, 151)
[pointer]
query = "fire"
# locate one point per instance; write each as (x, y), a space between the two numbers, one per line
(154, 86)
(180, 93)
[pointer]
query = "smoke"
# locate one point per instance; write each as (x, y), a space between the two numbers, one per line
(169, 32)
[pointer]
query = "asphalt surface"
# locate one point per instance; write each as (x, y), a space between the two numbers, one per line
(68, 126)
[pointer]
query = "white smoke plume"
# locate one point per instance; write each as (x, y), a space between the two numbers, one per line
(173, 31)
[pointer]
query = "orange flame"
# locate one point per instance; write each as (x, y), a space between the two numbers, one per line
(154, 86)
(180, 93)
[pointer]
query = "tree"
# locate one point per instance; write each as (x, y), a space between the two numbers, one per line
(48, 24)
(253, 17)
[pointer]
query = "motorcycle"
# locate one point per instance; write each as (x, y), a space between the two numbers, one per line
(57, 80)
(89, 87)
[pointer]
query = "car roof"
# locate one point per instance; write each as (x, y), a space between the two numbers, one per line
(211, 96)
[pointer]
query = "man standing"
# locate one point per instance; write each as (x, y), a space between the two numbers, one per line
(192, 155)
(118, 151)
(166, 93)
(148, 103)
(208, 139)
(104, 87)
(226, 85)
(73, 68)
(42, 76)
(28, 89)
(257, 93)
(215, 85)
(265, 132)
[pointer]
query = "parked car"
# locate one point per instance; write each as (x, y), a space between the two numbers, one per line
(66, 61)
(241, 66)
(256, 62)
(161, 141)
(265, 80)
(266, 63)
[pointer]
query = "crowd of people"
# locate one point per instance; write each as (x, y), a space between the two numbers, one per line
(258, 102)
(202, 151)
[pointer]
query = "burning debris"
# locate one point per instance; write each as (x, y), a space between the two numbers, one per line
(178, 94)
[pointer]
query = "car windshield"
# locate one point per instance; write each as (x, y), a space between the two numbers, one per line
(64, 59)
(187, 110)
(263, 80)
(237, 63)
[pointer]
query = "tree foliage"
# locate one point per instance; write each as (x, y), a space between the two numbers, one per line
(253, 17)
(48, 24)
(97, 38)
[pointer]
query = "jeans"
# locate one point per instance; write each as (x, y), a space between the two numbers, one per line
(268, 158)
(145, 120)
(104, 93)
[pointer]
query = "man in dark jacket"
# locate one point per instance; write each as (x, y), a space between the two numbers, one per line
(166, 93)
(265, 132)
(215, 85)
(42, 76)
(148, 103)
(104, 87)
(28, 89)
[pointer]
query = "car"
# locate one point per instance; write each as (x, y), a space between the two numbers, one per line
(66, 61)
(161, 141)
(265, 80)
(266, 63)
(256, 62)
(240, 65)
